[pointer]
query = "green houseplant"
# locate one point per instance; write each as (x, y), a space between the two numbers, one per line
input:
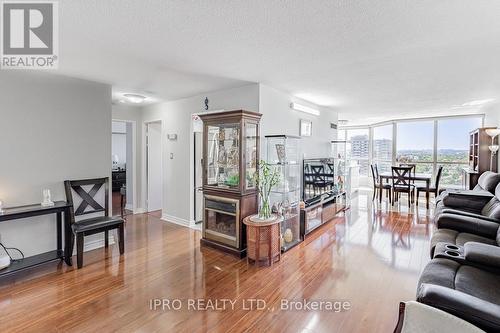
(266, 178)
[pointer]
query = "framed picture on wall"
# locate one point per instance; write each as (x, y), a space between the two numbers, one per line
(305, 127)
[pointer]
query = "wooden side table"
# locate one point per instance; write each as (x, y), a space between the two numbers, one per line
(263, 240)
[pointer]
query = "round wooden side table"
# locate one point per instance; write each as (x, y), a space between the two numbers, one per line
(263, 240)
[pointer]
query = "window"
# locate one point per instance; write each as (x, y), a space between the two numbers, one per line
(360, 148)
(427, 143)
(382, 147)
(453, 147)
(415, 142)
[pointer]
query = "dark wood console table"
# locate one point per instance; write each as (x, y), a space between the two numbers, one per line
(21, 212)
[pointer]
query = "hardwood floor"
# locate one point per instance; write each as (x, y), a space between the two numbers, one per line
(371, 258)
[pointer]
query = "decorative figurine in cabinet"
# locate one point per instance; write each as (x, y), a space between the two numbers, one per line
(230, 160)
(283, 153)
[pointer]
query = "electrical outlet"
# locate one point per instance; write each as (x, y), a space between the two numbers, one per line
(171, 156)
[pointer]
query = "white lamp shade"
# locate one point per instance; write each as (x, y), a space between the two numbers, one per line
(493, 148)
(493, 132)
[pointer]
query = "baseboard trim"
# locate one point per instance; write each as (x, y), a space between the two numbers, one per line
(180, 221)
(139, 211)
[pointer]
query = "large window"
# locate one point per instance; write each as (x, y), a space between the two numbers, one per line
(429, 143)
(453, 146)
(360, 148)
(382, 147)
(415, 144)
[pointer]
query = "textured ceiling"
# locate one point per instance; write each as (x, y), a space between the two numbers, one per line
(367, 59)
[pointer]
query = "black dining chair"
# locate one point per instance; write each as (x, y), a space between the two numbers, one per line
(401, 183)
(82, 193)
(378, 185)
(432, 189)
(320, 181)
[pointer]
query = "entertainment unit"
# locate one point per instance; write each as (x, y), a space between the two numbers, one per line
(323, 193)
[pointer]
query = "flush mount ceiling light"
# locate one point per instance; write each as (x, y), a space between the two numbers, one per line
(134, 98)
(303, 108)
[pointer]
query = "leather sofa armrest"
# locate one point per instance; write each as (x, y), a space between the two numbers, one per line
(463, 223)
(467, 200)
(476, 311)
(470, 214)
(483, 254)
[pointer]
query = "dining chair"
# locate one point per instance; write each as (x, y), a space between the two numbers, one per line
(320, 181)
(432, 189)
(401, 183)
(378, 185)
(82, 195)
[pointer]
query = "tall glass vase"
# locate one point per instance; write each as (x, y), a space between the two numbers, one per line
(265, 208)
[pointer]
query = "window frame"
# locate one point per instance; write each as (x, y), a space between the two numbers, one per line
(435, 162)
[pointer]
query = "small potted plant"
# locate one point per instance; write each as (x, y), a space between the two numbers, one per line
(266, 179)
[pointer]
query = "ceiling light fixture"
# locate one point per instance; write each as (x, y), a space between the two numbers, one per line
(303, 108)
(478, 102)
(134, 98)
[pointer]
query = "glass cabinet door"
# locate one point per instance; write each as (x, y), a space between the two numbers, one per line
(223, 152)
(251, 155)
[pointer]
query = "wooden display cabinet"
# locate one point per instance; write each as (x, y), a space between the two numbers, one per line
(230, 160)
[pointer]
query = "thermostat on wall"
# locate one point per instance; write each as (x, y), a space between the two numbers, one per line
(172, 137)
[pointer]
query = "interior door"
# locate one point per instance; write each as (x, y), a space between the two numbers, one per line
(154, 166)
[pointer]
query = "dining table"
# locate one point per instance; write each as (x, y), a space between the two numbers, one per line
(423, 177)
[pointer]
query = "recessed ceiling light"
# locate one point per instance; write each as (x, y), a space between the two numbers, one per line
(478, 102)
(134, 98)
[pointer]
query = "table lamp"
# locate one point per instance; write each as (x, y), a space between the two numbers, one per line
(493, 132)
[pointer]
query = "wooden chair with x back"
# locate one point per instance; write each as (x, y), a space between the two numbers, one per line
(401, 183)
(81, 195)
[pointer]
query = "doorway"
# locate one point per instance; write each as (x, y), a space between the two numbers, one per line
(123, 167)
(154, 177)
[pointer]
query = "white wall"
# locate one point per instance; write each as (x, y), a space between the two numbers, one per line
(176, 118)
(52, 128)
(278, 118)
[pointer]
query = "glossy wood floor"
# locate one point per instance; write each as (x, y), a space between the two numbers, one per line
(371, 258)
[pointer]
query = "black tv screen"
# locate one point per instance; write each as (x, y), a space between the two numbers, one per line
(318, 178)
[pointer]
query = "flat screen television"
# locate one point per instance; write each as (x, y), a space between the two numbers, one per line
(318, 179)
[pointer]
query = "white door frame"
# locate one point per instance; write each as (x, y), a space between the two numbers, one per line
(134, 159)
(145, 164)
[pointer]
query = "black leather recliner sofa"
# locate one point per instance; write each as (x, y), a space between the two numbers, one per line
(465, 282)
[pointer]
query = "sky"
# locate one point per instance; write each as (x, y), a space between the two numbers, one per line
(452, 133)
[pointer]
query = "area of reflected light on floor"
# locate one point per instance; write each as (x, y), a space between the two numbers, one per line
(371, 257)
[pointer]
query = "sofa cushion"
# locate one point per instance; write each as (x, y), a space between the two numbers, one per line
(467, 200)
(488, 181)
(492, 209)
(441, 272)
(478, 283)
(458, 238)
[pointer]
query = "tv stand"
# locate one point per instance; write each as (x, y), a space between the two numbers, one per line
(314, 215)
